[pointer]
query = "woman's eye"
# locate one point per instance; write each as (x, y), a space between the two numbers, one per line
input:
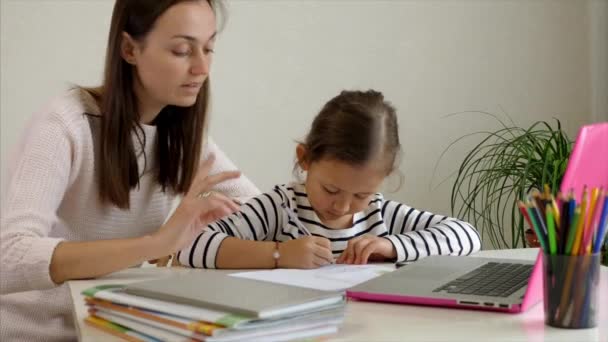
(181, 53)
(208, 51)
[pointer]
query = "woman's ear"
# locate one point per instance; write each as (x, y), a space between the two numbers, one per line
(302, 154)
(127, 49)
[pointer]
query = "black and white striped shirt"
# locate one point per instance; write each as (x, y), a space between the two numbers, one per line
(286, 214)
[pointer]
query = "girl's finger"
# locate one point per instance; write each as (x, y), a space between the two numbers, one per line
(343, 258)
(322, 242)
(358, 249)
(346, 256)
(162, 262)
(324, 253)
(340, 258)
(318, 261)
(367, 252)
(350, 259)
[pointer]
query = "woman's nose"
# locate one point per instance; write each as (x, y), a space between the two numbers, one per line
(200, 64)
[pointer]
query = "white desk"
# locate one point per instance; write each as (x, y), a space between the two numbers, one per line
(392, 322)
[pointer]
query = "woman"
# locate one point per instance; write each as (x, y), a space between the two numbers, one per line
(98, 169)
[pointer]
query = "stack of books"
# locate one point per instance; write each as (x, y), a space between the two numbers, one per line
(213, 307)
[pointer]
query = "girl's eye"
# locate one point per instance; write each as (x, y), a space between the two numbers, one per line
(329, 191)
(361, 197)
(208, 51)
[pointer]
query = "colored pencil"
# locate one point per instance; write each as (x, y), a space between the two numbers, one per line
(551, 230)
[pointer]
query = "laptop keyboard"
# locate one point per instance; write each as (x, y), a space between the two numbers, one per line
(492, 279)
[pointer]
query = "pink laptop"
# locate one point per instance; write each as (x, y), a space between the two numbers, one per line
(503, 285)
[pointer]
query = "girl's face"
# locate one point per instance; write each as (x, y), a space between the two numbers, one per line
(173, 60)
(337, 190)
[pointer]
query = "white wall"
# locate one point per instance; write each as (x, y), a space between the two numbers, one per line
(598, 38)
(277, 62)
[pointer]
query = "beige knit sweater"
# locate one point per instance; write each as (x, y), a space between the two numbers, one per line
(50, 196)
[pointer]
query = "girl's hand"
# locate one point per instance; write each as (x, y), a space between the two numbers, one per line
(305, 252)
(161, 262)
(198, 208)
(364, 248)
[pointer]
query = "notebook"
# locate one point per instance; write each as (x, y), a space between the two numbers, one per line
(252, 298)
(487, 283)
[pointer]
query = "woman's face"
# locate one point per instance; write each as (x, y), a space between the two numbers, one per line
(173, 60)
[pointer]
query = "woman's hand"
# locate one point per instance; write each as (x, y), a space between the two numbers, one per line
(364, 248)
(305, 252)
(199, 207)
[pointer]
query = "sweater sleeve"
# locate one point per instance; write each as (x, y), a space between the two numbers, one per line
(417, 233)
(241, 188)
(36, 187)
(258, 219)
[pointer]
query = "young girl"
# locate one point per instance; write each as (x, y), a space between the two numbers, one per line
(337, 212)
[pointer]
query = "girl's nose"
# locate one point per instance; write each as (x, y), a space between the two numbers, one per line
(341, 205)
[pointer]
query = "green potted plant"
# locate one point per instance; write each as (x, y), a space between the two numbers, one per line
(503, 168)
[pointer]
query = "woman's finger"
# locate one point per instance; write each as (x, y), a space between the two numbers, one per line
(216, 206)
(217, 178)
(201, 174)
(203, 188)
(217, 200)
(205, 166)
(229, 202)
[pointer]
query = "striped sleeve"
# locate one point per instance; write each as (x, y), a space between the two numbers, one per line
(258, 219)
(417, 233)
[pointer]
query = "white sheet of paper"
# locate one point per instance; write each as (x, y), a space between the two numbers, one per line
(329, 278)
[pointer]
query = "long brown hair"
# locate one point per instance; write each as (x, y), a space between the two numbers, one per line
(179, 129)
(355, 127)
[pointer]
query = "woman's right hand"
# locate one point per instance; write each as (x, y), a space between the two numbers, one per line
(198, 208)
(305, 252)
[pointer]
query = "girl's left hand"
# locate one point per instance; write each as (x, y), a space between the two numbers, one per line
(367, 247)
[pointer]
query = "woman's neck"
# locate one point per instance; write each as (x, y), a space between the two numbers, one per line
(148, 109)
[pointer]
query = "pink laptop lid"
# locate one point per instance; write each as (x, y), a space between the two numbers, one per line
(587, 166)
(588, 163)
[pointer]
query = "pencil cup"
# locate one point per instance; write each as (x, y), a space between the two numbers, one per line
(571, 285)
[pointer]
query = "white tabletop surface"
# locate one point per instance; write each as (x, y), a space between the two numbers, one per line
(366, 321)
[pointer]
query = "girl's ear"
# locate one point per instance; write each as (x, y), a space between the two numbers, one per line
(301, 154)
(127, 49)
